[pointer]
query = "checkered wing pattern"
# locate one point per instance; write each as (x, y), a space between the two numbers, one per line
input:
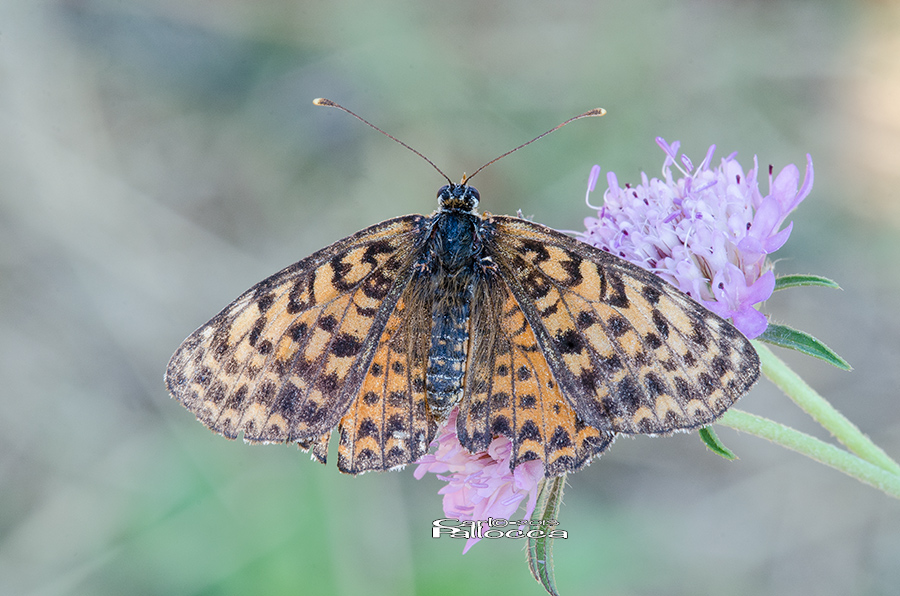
(629, 352)
(286, 360)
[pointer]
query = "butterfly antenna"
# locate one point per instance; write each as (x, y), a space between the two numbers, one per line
(589, 113)
(321, 101)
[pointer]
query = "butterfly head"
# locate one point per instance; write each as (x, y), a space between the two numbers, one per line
(458, 197)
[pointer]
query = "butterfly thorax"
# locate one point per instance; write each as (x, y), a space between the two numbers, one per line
(451, 260)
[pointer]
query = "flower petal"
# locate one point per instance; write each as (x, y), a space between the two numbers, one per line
(750, 322)
(775, 242)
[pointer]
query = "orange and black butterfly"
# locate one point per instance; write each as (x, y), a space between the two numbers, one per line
(534, 335)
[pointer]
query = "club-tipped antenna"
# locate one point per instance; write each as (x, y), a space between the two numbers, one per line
(321, 101)
(589, 113)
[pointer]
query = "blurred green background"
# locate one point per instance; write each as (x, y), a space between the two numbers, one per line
(157, 158)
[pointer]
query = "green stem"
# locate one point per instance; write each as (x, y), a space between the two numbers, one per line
(539, 551)
(823, 412)
(814, 448)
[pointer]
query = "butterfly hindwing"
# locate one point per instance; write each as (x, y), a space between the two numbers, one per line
(388, 425)
(510, 390)
(632, 353)
(285, 360)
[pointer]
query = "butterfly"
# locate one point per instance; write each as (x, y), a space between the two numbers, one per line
(532, 334)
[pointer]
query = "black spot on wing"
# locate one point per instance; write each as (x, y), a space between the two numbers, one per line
(584, 320)
(527, 402)
(700, 334)
(499, 400)
(297, 331)
(560, 439)
(367, 428)
(257, 330)
(529, 431)
(237, 398)
(569, 342)
(500, 426)
(286, 401)
(618, 326)
(611, 364)
(265, 302)
(720, 366)
(328, 323)
(625, 400)
(655, 385)
(395, 424)
(327, 384)
(662, 326)
(345, 345)
(651, 294)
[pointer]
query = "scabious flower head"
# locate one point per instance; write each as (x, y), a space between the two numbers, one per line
(480, 485)
(708, 232)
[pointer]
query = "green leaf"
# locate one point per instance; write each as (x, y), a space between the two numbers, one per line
(787, 337)
(791, 281)
(715, 445)
(539, 550)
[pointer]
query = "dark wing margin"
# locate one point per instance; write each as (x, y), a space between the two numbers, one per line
(284, 361)
(631, 353)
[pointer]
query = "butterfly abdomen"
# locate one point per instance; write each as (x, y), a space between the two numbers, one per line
(451, 258)
(447, 356)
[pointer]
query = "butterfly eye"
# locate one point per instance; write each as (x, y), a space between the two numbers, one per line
(472, 193)
(443, 193)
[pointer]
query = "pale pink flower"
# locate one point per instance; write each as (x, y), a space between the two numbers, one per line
(708, 232)
(480, 485)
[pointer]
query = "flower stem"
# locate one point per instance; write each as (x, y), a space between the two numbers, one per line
(823, 412)
(814, 448)
(538, 551)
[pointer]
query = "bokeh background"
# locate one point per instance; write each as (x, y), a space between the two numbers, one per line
(157, 158)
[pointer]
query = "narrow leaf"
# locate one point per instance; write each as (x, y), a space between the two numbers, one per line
(539, 550)
(791, 281)
(787, 337)
(712, 441)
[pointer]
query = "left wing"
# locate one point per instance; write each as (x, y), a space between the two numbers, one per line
(284, 361)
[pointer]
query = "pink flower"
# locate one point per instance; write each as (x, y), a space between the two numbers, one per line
(709, 232)
(480, 485)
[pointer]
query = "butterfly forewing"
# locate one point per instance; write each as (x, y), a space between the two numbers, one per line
(285, 360)
(511, 391)
(631, 353)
